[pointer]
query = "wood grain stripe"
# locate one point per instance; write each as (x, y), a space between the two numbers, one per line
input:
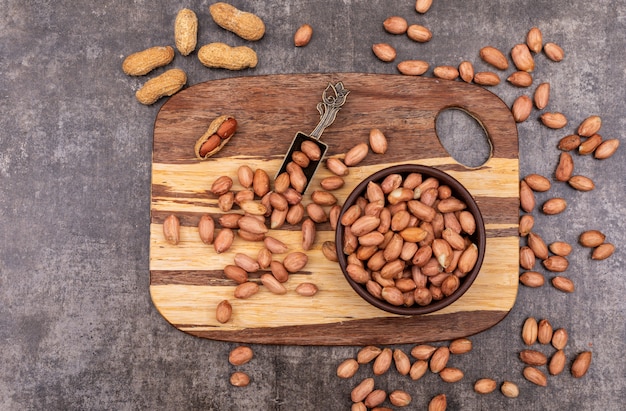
(415, 330)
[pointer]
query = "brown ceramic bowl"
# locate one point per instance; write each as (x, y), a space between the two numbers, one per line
(478, 238)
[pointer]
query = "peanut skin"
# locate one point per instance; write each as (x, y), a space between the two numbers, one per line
(143, 62)
(220, 55)
(246, 25)
(166, 84)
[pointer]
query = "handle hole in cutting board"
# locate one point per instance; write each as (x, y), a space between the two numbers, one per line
(463, 137)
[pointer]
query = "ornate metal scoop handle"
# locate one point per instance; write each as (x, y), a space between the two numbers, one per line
(328, 108)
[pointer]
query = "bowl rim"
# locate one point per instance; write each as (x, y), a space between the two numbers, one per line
(457, 188)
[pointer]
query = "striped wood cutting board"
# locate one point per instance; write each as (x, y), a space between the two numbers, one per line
(186, 280)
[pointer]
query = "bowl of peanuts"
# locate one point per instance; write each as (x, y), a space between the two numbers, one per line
(410, 239)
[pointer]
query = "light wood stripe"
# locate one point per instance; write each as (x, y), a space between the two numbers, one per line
(336, 301)
(497, 178)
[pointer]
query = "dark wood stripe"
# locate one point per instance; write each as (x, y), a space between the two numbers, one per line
(272, 109)
(502, 232)
(204, 277)
(375, 331)
(499, 210)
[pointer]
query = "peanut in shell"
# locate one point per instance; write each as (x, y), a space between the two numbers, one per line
(200, 149)
(221, 55)
(163, 85)
(246, 25)
(186, 31)
(143, 62)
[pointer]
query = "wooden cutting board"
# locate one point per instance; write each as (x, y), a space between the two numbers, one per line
(187, 281)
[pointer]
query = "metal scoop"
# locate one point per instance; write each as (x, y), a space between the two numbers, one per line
(328, 109)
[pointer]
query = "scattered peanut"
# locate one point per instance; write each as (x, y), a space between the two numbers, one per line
(143, 62)
(240, 355)
(581, 364)
(419, 33)
(395, 25)
(186, 31)
(171, 229)
(495, 57)
(246, 25)
(163, 85)
(413, 67)
(385, 52)
(239, 379)
(303, 35)
(221, 55)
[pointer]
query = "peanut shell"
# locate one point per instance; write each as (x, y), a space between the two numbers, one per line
(143, 62)
(221, 55)
(246, 25)
(186, 31)
(163, 85)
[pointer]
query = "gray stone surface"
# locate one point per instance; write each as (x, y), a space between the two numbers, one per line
(77, 327)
